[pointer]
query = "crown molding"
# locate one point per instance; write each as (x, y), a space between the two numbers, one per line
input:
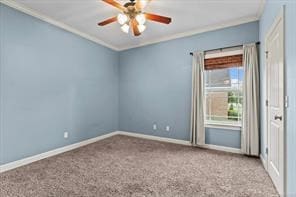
(194, 32)
(59, 24)
(261, 9)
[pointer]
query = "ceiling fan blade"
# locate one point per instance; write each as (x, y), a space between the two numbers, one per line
(158, 18)
(141, 4)
(115, 4)
(108, 21)
(134, 25)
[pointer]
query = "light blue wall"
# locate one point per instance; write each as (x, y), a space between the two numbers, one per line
(155, 83)
(52, 80)
(224, 137)
(271, 10)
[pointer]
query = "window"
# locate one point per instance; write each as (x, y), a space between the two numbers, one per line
(223, 92)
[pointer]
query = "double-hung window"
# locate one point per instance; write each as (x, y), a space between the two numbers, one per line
(223, 89)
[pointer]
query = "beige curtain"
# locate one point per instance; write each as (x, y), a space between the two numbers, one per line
(250, 123)
(197, 105)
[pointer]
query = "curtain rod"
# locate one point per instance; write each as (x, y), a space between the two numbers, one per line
(191, 53)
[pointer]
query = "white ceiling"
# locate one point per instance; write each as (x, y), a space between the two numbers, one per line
(188, 17)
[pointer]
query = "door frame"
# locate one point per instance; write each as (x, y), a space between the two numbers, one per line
(280, 16)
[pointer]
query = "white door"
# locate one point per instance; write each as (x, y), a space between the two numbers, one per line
(275, 111)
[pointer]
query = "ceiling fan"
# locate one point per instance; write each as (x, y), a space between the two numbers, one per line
(132, 16)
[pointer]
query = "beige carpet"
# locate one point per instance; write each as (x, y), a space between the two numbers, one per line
(126, 166)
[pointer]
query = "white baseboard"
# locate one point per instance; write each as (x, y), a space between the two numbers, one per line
(222, 148)
(28, 160)
(263, 160)
(182, 142)
(156, 138)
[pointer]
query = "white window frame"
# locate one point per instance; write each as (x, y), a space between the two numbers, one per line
(221, 124)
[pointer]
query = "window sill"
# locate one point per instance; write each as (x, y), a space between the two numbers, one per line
(223, 126)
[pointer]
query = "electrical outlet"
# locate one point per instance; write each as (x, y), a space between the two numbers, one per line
(154, 127)
(66, 134)
(167, 128)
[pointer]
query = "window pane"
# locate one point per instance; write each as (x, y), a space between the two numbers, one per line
(224, 97)
(218, 78)
(217, 105)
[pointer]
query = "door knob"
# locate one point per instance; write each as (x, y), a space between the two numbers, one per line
(278, 118)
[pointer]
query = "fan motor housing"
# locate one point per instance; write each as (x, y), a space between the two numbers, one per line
(131, 3)
(131, 10)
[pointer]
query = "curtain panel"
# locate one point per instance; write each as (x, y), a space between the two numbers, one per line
(197, 106)
(250, 123)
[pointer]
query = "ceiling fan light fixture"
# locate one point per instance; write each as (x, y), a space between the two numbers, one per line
(122, 18)
(141, 19)
(141, 28)
(125, 28)
(132, 17)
